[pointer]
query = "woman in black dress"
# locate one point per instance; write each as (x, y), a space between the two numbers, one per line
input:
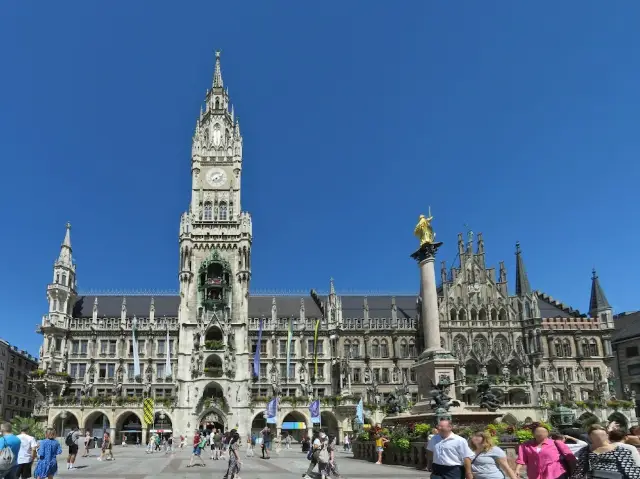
(604, 460)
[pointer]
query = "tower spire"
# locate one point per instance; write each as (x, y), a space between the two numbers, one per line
(522, 281)
(65, 257)
(598, 301)
(217, 75)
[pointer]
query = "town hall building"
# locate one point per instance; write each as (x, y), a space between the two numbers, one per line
(195, 350)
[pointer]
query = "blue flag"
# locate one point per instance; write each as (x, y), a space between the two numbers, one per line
(256, 356)
(360, 412)
(314, 409)
(272, 411)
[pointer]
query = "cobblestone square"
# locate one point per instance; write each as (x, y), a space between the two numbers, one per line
(134, 463)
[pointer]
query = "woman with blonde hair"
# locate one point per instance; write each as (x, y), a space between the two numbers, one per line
(489, 461)
(48, 451)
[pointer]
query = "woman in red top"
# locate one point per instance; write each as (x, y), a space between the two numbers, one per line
(544, 457)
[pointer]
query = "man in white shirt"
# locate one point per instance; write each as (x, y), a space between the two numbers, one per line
(28, 448)
(450, 454)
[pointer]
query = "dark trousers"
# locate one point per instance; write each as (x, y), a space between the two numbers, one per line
(447, 472)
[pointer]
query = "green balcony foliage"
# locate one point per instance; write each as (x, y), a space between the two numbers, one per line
(619, 404)
(37, 373)
(214, 344)
(214, 372)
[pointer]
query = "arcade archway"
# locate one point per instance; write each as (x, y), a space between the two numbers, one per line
(97, 423)
(329, 424)
(162, 424)
(295, 424)
(259, 423)
(129, 428)
(64, 423)
(211, 420)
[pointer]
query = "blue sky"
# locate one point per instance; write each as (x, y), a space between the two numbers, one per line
(520, 121)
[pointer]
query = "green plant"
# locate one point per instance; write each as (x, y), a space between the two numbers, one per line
(422, 430)
(214, 344)
(33, 427)
(38, 373)
(524, 435)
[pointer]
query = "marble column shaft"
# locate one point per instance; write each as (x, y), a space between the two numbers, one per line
(429, 312)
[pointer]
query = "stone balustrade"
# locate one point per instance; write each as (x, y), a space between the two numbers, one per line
(415, 456)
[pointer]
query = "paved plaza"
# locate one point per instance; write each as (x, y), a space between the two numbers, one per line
(133, 463)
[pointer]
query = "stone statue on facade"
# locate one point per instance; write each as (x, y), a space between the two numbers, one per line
(424, 231)
(484, 374)
(367, 375)
(629, 394)
(487, 399)
(506, 374)
(395, 375)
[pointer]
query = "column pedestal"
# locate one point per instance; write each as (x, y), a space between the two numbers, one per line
(434, 363)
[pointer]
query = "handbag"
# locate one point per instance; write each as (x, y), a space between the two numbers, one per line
(602, 474)
(569, 465)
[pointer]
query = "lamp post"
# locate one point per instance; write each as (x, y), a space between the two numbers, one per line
(63, 416)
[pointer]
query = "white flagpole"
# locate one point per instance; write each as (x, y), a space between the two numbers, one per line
(167, 365)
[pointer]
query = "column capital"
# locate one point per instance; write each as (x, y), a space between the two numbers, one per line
(426, 252)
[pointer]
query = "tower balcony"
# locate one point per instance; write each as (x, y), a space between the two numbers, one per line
(40, 376)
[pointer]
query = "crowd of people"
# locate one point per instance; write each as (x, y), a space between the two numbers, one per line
(18, 453)
(599, 453)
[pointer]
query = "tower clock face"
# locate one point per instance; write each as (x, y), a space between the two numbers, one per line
(216, 177)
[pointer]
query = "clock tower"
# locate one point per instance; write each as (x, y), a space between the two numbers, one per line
(215, 264)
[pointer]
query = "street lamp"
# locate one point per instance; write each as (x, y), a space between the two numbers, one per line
(63, 416)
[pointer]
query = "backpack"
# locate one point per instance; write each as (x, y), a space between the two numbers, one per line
(323, 455)
(6, 459)
(203, 443)
(69, 439)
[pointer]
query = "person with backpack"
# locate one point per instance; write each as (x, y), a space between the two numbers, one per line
(199, 443)
(72, 440)
(47, 456)
(9, 451)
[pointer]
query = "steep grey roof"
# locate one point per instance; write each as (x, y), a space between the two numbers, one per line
(111, 306)
(598, 300)
(627, 326)
(286, 306)
(379, 306)
(551, 308)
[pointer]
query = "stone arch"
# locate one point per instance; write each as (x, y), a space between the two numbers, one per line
(329, 423)
(494, 315)
(64, 425)
(474, 314)
(460, 347)
(462, 315)
(97, 422)
(472, 368)
(509, 419)
(453, 315)
(300, 420)
(214, 416)
(129, 425)
(620, 418)
(258, 423)
(493, 368)
(213, 366)
(502, 315)
(482, 316)
(214, 333)
(518, 397)
(587, 419)
(162, 423)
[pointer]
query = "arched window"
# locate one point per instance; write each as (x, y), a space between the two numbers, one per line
(474, 315)
(588, 374)
(375, 349)
(520, 313)
(384, 349)
(561, 375)
(593, 347)
(347, 349)
(558, 347)
(355, 349)
(543, 374)
(404, 349)
(452, 315)
(462, 315)
(527, 310)
(503, 315)
(223, 211)
(64, 279)
(207, 211)
(494, 315)
(566, 348)
(412, 349)
(597, 374)
(483, 315)
(217, 103)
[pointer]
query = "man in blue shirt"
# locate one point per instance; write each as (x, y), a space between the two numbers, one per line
(10, 440)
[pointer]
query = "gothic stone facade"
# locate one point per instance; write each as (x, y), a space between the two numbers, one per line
(526, 344)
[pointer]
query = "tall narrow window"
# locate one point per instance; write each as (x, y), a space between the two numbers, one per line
(355, 349)
(384, 348)
(207, 211)
(403, 349)
(375, 349)
(223, 211)
(593, 347)
(347, 349)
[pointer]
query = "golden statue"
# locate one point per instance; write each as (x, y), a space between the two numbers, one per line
(423, 231)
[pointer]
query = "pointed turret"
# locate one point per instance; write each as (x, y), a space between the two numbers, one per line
(598, 301)
(65, 258)
(217, 74)
(522, 281)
